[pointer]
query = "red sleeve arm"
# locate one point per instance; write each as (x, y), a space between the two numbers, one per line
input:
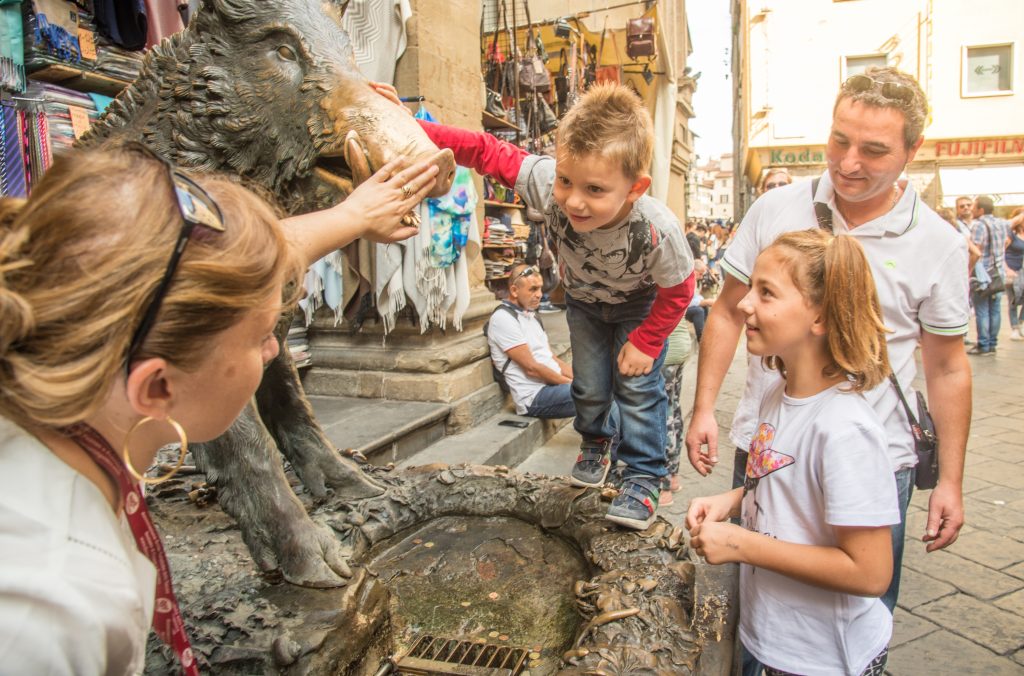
(668, 309)
(479, 151)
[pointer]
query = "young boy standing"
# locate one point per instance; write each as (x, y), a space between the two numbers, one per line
(627, 274)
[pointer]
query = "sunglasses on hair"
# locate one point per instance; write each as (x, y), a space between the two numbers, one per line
(779, 184)
(525, 272)
(197, 209)
(894, 91)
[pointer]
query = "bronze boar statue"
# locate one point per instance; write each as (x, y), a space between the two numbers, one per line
(268, 90)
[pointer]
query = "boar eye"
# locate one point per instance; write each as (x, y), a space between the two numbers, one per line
(287, 53)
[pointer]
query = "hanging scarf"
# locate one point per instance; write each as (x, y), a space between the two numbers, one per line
(450, 216)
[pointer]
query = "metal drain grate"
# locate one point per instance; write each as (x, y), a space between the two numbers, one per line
(438, 655)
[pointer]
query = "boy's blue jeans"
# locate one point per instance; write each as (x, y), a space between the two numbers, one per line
(597, 332)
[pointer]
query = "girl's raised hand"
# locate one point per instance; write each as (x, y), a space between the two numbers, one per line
(712, 508)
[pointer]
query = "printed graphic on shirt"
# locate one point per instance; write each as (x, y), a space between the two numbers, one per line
(595, 268)
(761, 461)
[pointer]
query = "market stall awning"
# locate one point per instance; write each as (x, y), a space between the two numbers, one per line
(1004, 183)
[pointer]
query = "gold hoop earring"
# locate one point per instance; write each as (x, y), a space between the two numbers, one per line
(181, 458)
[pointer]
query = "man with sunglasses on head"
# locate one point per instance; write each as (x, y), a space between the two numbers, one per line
(916, 259)
(540, 382)
(964, 215)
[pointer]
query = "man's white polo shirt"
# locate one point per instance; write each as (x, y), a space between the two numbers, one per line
(917, 261)
(506, 331)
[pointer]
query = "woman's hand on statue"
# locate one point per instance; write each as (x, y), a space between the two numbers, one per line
(381, 202)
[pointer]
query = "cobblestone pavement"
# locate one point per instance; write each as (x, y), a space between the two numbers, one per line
(961, 610)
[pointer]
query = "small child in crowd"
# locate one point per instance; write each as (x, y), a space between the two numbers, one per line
(814, 546)
(627, 274)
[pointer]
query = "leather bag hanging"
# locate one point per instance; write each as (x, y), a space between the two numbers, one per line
(611, 73)
(640, 38)
(533, 74)
(496, 76)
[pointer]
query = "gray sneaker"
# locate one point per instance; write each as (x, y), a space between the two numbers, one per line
(592, 464)
(637, 503)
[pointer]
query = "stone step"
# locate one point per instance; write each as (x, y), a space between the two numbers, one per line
(503, 439)
(383, 430)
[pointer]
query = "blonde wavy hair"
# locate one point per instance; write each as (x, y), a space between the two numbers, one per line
(609, 121)
(81, 260)
(833, 274)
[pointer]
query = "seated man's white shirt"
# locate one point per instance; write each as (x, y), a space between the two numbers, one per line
(917, 261)
(506, 332)
(76, 595)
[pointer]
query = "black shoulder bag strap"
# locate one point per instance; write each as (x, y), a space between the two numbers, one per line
(507, 307)
(821, 211)
(915, 427)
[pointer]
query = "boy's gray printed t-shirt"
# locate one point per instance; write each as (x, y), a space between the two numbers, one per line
(615, 264)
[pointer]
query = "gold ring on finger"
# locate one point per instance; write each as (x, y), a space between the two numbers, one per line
(406, 191)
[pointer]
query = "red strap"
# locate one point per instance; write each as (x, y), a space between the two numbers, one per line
(167, 621)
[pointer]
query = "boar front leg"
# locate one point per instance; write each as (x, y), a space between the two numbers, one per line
(251, 486)
(289, 418)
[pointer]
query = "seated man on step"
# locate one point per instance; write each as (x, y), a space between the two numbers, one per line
(539, 381)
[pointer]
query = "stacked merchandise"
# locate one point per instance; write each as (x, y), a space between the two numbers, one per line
(68, 114)
(115, 62)
(66, 34)
(495, 192)
(498, 231)
(25, 149)
(298, 342)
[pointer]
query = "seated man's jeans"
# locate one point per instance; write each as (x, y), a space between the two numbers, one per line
(553, 401)
(597, 332)
(987, 319)
(905, 489)
(697, 315)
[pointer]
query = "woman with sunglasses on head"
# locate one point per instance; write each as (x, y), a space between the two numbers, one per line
(124, 329)
(775, 178)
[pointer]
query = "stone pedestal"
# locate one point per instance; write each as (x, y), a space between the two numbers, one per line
(442, 64)
(451, 366)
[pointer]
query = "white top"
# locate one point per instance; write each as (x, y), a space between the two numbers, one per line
(505, 332)
(916, 260)
(76, 596)
(815, 463)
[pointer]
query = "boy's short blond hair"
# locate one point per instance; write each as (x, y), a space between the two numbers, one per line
(611, 121)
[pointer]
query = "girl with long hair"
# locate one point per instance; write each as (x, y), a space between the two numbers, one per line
(819, 496)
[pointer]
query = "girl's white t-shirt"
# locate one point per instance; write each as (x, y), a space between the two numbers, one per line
(814, 463)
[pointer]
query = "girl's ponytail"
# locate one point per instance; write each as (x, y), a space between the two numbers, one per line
(853, 314)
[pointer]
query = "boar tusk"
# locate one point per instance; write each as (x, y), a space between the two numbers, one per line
(355, 157)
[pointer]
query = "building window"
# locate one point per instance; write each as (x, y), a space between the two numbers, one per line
(987, 70)
(855, 65)
(723, 199)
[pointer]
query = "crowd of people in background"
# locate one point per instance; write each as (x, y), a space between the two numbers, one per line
(995, 248)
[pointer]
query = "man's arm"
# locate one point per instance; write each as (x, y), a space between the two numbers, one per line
(947, 374)
(522, 356)
(717, 349)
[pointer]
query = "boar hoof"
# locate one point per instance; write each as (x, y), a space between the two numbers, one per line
(309, 555)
